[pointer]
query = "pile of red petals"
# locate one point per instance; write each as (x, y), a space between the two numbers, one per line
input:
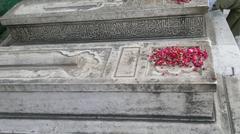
(179, 56)
(183, 1)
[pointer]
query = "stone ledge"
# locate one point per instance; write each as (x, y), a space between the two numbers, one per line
(189, 26)
(99, 67)
(189, 107)
(32, 12)
(103, 20)
(105, 127)
(225, 49)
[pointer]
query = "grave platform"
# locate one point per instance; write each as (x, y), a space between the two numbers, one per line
(107, 66)
(103, 81)
(53, 81)
(105, 20)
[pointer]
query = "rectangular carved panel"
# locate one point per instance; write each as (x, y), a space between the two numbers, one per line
(128, 62)
(108, 30)
(62, 63)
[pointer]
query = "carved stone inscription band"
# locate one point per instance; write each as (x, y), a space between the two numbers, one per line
(144, 28)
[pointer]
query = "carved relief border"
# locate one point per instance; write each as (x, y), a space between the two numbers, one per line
(128, 29)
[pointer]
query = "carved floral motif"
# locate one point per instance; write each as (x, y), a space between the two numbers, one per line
(89, 63)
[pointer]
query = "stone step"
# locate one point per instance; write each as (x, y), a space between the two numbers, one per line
(17, 126)
(194, 107)
(100, 67)
(105, 20)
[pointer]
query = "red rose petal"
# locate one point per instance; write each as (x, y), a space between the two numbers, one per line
(176, 56)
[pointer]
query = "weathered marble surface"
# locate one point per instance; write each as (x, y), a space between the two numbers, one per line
(233, 89)
(108, 106)
(32, 11)
(225, 48)
(103, 81)
(226, 61)
(220, 126)
(105, 127)
(63, 126)
(119, 66)
(111, 30)
(104, 20)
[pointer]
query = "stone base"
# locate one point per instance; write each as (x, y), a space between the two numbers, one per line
(194, 107)
(105, 127)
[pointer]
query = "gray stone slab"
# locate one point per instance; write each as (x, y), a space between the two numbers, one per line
(103, 20)
(233, 87)
(39, 126)
(119, 66)
(223, 116)
(111, 30)
(225, 49)
(105, 127)
(51, 11)
(108, 106)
